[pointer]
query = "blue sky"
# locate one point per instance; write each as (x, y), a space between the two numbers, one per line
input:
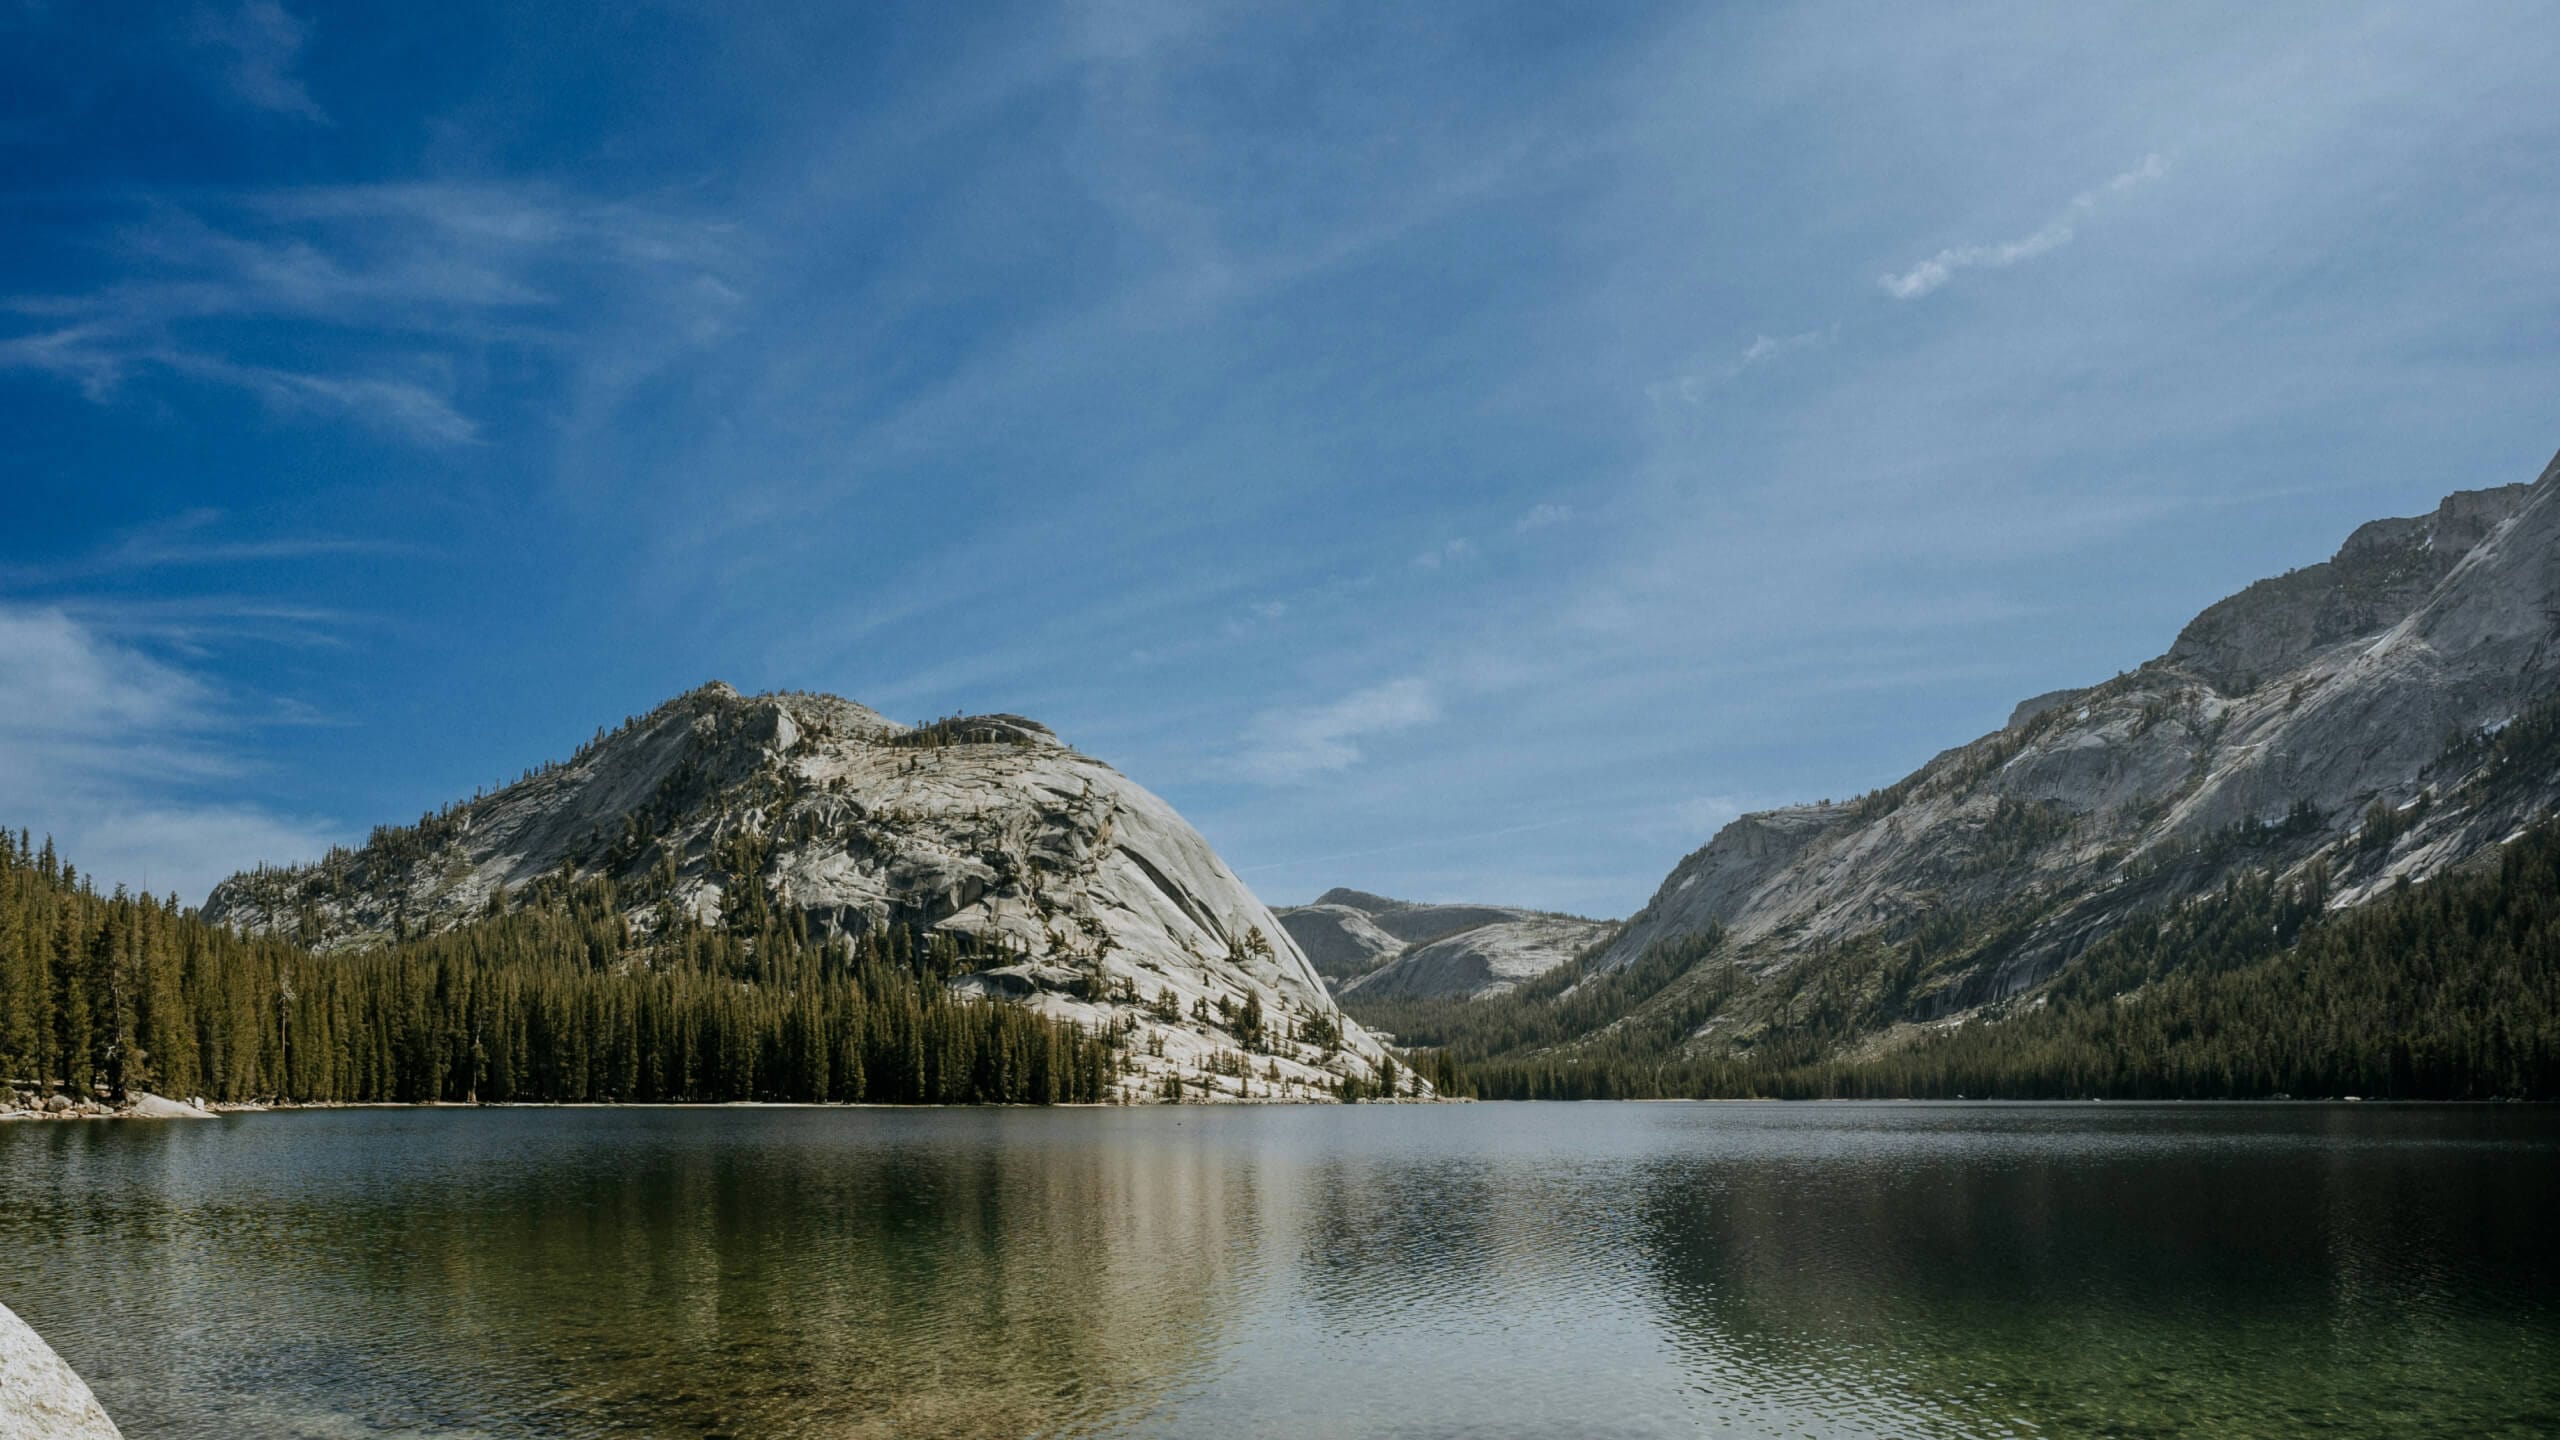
(1460, 451)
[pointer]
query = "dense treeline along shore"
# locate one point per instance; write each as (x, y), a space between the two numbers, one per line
(551, 998)
(2448, 990)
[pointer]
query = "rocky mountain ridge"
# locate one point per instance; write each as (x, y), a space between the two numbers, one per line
(2382, 716)
(1366, 944)
(718, 808)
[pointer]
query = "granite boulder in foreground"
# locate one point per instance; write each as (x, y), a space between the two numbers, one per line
(41, 1398)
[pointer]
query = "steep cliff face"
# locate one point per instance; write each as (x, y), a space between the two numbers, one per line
(2384, 571)
(717, 805)
(1369, 945)
(2354, 714)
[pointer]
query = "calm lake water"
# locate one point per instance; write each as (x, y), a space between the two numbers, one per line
(1487, 1270)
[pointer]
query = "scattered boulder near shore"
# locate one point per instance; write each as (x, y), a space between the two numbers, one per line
(161, 1107)
(31, 1105)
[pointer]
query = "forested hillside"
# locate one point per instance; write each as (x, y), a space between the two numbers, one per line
(2225, 872)
(820, 840)
(548, 998)
(2446, 990)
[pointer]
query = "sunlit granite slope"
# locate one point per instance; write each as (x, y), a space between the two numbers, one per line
(2351, 714)
(987, 827)
(1379, 948)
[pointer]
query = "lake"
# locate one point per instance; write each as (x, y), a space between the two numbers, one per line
(1479, 1270)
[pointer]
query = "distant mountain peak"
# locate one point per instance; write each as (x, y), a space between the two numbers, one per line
(2377, 578)
(1368, 944)
(1361, 900)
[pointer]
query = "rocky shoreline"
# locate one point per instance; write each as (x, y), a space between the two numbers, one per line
(37, 1105)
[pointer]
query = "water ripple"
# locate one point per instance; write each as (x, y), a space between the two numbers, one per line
(1618, 1270)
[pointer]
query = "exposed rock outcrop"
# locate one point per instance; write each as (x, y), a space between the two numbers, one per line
(2346, 715)
(29, 1105)
(41, 1398)
(1481, 961)
(1339, 938)
(1372, 946)
(986, 827)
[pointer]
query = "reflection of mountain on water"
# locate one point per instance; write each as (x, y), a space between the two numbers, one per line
(1490, 1272)
(666, 1272)
(2058, 1274)
(1376, 1237)
(899, 1290)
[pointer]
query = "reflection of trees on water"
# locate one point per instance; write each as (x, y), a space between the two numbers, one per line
(946, 1284)
(1558, 1269)
(645, 1273)
(1375, 1235)
(1474, 1245)
(2050, 1285)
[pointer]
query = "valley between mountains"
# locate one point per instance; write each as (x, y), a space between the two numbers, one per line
(2310, 849)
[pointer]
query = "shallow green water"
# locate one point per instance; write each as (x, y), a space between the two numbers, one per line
(1490, 1270)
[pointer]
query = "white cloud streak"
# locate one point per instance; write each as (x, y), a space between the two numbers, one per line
(99, 745)
(449, 270)
(1450, 552)
(1286, 746)
(1692, 389)
(264, 42)
(2052, 235)
(192, 539)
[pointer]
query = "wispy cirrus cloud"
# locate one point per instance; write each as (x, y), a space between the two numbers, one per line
(1446, 553)
(2052, 235)
(104, 743)
(409, 409)
(195, 539)
(196, 627)
(399, 282)
(100, 358)
(263, 44)
(1765, 348)
(1692, 389)
(1283, 746)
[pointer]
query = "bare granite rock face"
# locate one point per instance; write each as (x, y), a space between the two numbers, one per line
(2346, 715)
(1481, 961)
(1372, 946)
(41, 1398)
(987, 827)
(1339, 939)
